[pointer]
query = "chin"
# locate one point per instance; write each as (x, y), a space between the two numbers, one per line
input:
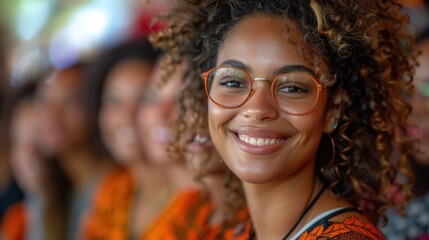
(252, 177)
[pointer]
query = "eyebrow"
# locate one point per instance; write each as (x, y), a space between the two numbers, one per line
(284, 69)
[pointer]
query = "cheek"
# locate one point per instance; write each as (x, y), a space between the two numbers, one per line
(107, 120)
(144, 117)
(310, 126)
(218, 119)
(76, 119)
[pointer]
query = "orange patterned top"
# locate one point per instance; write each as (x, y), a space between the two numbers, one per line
(350, 228)
(14, 222)
(110, 214)
(187, 217)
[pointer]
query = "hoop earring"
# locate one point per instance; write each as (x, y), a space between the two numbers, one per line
(334, 125)
(201, 140)
(334, 152)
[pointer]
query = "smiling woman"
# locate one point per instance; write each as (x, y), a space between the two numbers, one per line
(305, 101)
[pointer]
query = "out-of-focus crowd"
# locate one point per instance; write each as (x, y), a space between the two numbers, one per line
(86, 154)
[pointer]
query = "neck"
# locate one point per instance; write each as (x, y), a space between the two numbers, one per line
(80, 166)
(274, 200)
(179, 177)
(218, 193)
(152, 194)
(147, 177)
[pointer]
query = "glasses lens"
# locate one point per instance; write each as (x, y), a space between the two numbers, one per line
(295, 93)
(228, 87)
(424, 89)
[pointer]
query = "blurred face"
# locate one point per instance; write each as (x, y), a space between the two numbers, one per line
(62, 120)
(203, 158)
(259, 143)
(25, 160)
(157, 114)
(420, 104)
(120, 100)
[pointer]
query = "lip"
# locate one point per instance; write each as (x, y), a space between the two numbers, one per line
(161, 135)
(259, 133)
(199, 143)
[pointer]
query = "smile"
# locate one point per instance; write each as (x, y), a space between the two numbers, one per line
(260, 141)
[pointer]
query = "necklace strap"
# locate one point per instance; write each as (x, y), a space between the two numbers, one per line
(309, 206)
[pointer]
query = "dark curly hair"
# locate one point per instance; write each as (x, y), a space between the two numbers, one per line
(370, 59)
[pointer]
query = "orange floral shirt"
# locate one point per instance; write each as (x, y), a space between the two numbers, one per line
(350, 228)
(110, 216)
(187, 217)
(14, 222)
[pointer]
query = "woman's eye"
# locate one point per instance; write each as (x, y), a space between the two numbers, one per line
(110, 100)
(232, 83)
(292, 89)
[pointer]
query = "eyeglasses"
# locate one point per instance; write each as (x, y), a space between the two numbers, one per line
(423, 89)
(294, 93)
(423, 92)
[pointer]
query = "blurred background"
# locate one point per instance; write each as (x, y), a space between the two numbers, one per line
(39, 32)
(35, 33)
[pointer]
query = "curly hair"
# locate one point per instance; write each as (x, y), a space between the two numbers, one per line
(370, 58)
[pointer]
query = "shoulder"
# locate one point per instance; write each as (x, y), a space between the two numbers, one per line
(351, 227)
(115, 185)
(111, 205)
(174, 218)
(180, 205)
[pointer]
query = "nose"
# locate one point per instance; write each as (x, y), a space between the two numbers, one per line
(260, 105)
(52, 111)
(129, 113)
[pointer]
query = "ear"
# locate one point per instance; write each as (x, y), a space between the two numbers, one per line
(333, 112)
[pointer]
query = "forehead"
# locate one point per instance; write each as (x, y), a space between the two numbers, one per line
(129, 72)
(63, 81)
(265, 41)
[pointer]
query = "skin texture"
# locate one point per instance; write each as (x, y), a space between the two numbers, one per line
(121, 98)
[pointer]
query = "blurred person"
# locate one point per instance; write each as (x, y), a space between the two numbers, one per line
(212, 210)
(156, 115)
(415, 224)
(66, 131)
(43, 213)
(200, 210)
(118, 78)
(9, 191)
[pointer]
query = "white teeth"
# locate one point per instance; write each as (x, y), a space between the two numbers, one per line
(260, 141)
(267, 141)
